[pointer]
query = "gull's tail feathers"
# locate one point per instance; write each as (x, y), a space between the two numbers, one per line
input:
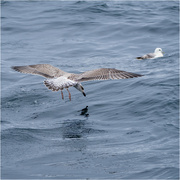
(60, 83)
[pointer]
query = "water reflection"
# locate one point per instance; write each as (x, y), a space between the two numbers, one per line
(76, 128)
(73, 128)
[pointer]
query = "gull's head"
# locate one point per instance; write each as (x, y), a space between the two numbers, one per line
(158, 51)
(79, 87)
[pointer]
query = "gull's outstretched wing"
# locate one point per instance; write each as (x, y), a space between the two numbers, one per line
(105, 74)
(45, 70)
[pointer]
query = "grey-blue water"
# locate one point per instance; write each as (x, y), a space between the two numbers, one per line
(130, 129)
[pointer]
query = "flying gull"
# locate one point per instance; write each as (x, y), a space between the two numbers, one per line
(157, 53)
(58, 79)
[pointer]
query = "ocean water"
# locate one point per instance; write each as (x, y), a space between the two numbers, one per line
(130, 129)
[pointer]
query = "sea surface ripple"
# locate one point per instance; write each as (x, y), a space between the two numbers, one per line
(129, 130)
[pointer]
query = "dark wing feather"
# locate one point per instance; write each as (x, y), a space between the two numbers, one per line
(105, 74)
(45, 70)
(147, 56)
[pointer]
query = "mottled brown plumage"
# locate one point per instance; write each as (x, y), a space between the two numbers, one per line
(58, 79)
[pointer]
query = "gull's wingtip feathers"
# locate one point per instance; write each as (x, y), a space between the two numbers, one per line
(138, 75)
(139, 58)
(21, 69)
(13, 67)
(16, 68)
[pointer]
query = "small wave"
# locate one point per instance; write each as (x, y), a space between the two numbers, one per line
(158, 173)
(18, 135)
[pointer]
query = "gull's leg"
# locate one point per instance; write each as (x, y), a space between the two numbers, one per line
(62, 94)
(69, 94)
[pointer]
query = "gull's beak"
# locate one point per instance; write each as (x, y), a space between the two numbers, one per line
(163, 52)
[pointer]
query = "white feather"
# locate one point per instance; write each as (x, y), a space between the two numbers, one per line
(59, 83)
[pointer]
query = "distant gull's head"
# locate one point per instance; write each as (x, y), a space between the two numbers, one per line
(158, 51)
